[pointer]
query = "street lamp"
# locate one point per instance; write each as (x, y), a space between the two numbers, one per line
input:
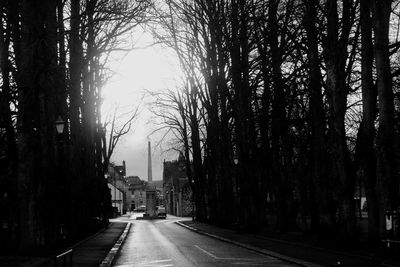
(60, 214)
(60, 125)
(236, 187)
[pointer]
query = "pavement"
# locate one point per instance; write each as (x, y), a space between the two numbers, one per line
(101, 248)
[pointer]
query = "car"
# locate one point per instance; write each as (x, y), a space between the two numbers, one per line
(161, 212)
(141, 208)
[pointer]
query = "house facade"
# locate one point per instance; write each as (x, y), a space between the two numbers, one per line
(117, 198)
(120, 194)
(137, 191)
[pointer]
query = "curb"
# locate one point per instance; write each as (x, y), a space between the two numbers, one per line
(108, 260)
(252, 248)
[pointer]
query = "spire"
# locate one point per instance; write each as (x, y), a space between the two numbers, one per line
(149, 168)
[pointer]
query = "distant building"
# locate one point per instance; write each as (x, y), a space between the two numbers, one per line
(176, 188)
(137, 190)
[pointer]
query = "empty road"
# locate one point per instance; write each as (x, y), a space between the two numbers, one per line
(163, 243)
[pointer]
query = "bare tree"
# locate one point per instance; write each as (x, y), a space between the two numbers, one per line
(117, 130)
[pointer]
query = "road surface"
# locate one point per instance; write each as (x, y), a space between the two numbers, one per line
(162, 243)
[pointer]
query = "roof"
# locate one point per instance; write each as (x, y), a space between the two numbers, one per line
(133, 180)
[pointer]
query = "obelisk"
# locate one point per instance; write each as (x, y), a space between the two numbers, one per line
(149, 169)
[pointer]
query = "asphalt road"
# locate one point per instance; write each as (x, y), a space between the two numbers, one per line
(164, 243)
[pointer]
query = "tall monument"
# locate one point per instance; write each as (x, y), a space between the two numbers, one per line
(149, 169)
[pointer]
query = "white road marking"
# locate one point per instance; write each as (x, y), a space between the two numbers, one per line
(275, 262)
(230, 259)
(155, 263)
(206, 252)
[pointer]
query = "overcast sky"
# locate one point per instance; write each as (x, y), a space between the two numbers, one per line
(153, 68)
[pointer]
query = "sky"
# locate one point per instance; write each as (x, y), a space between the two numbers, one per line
(143, 69)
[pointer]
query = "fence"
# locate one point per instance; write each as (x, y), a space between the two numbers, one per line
(65, 259)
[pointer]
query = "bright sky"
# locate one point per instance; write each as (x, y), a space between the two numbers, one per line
(143, 69)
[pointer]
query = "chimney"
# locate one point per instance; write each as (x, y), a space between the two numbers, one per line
(149, 168)
(124, 167)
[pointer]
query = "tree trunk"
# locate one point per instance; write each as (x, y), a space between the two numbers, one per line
(279, 125)
(199, 180)
(342, 179)
(365, 154)
(318, 154)
(75, 99)
(264, 119)
(36, 135)
(386, 185)
(7, 178)
(90, 184)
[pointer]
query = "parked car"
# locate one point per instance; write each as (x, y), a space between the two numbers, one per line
(161, 212)
(141, 208)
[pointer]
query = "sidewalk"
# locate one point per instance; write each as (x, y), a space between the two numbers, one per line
(296, 252)
(92, 251)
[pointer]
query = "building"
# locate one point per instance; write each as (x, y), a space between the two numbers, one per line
(117, 198)
(137, 190)
(176, 188)
(120, 194)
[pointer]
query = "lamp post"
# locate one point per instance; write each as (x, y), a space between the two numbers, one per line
(115, 192)
(236, 162)
(60, 130)
(237, 193)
